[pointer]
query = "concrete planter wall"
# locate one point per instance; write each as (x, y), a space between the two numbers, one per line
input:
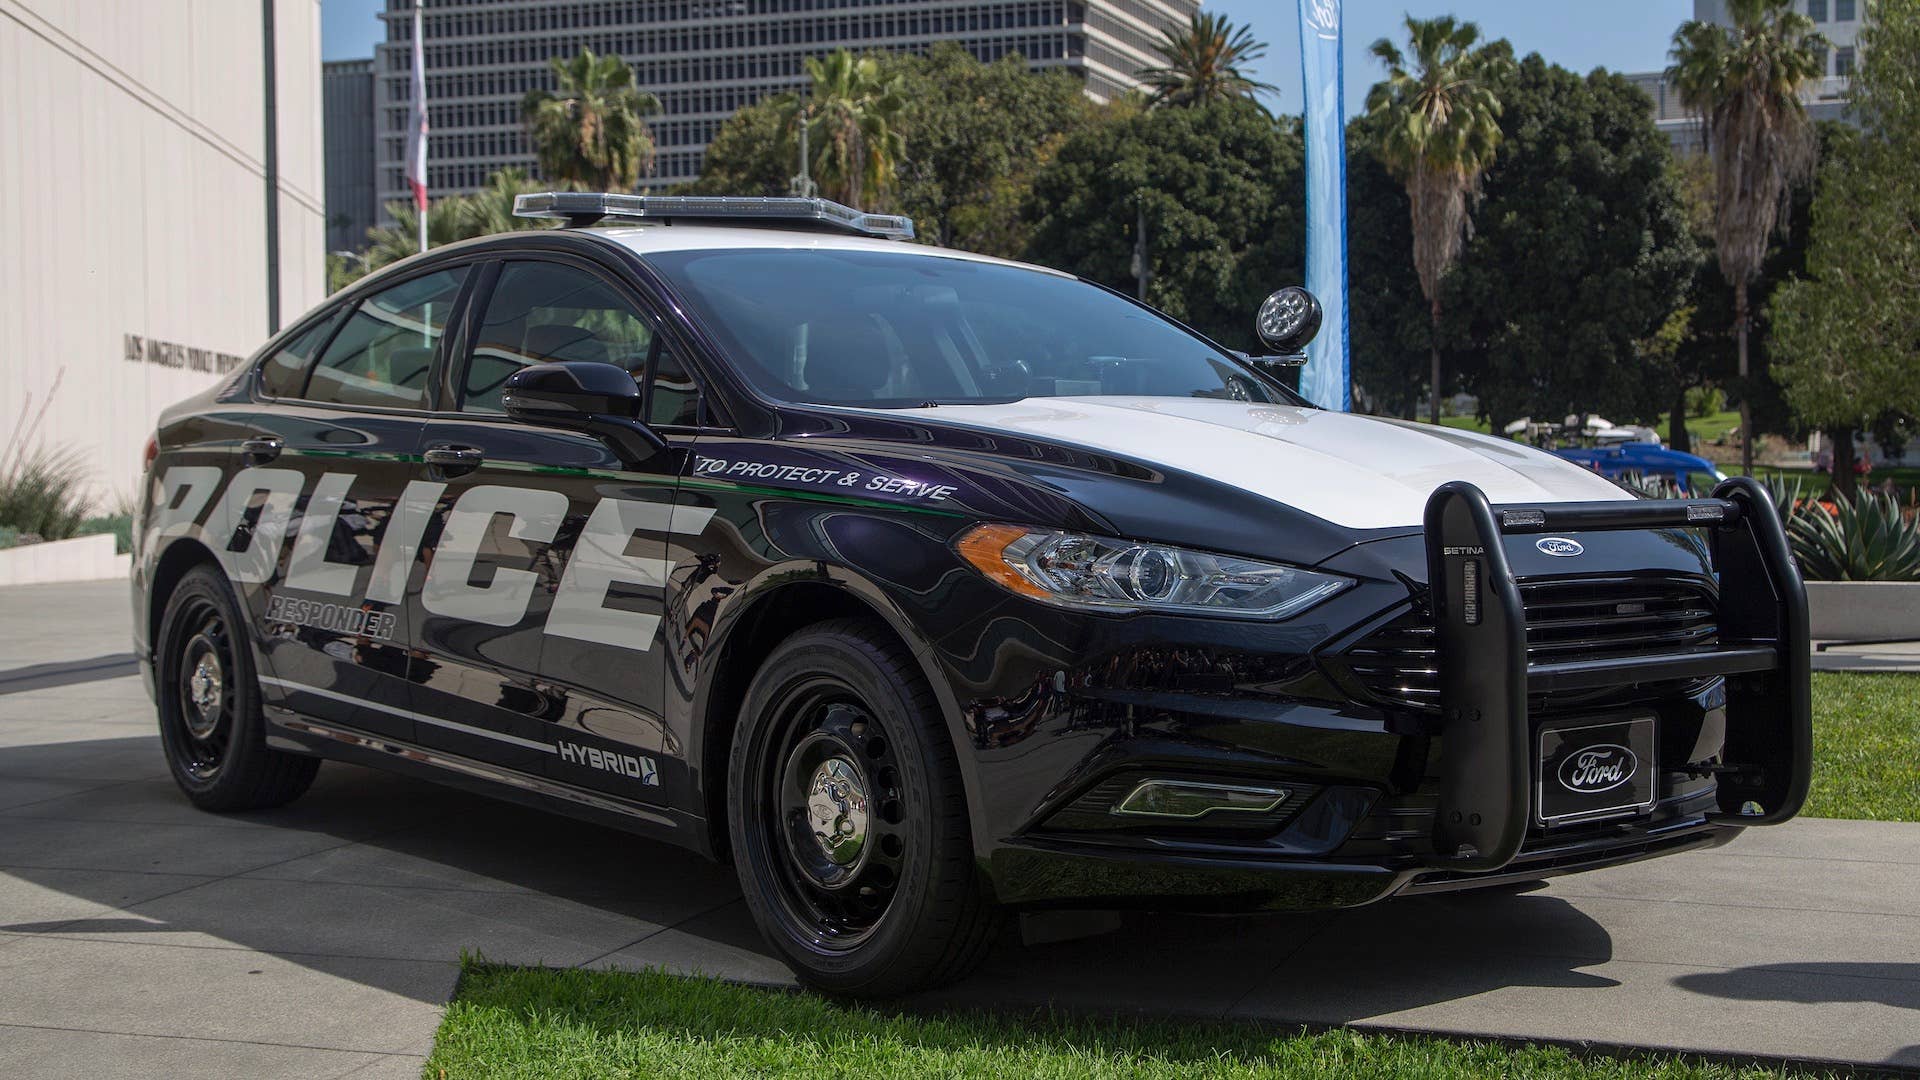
(83, 558)
(1857, 610)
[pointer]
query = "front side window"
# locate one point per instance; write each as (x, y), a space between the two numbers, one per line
(1817, 10)
(1843, 11)
(547, 312)
(383, 354)
(901, 329)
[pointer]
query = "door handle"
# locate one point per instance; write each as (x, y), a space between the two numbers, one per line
(453, 460)
(261, 449)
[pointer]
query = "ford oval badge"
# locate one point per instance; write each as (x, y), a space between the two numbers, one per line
(1593, 769)
(1559, 545)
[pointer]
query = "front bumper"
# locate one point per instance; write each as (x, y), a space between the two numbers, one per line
(1390, 801)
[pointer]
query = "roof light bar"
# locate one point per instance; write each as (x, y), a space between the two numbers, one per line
(587, 207)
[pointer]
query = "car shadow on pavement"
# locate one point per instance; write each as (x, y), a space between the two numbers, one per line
(1897, 985)
(374, 877)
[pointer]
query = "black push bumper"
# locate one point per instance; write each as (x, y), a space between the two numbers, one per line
(1486, 765)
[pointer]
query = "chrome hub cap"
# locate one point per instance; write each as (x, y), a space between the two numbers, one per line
(204, 691)
(837, 810)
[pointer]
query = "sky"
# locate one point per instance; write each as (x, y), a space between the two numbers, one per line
(1623, 35)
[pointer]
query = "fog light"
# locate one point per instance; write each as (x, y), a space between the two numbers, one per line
(1192, 799)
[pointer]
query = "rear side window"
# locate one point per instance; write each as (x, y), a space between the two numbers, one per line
(383, 354)
(285, 372)
(546, 312)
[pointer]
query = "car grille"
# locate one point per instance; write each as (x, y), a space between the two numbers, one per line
(1585, 619)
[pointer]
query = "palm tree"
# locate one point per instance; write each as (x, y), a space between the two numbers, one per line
(1203, 62)
(454, 217)
(590, 131)
(851, 117)
(1440, 126)
(1744, 81)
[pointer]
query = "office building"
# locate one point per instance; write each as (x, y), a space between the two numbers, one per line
(346, 91)
(162, 210)
(704, 59)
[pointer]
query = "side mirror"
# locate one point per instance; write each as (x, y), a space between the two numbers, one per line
(579, 395)
(1287, 322)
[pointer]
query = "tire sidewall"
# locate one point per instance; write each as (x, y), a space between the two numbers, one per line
(853, 661)
(205, 583)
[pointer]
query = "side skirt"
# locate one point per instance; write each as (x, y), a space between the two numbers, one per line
(298, 734)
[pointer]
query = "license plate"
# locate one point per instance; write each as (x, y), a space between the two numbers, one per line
(1588, 769)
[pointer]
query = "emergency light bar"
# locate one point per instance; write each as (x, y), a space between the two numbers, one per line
(580, 208)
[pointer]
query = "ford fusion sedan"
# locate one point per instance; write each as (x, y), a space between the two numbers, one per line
(923, 587)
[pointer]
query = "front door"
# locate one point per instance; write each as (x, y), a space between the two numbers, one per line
(538, 618)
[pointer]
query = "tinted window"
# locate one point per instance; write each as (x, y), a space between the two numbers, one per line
(285, 372)
(674, 398)
(904, 329)
(384, 352)
(544, 312)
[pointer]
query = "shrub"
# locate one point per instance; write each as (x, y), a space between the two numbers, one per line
(1869, 537)
(44, 494)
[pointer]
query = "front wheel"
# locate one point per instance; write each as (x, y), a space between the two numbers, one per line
(209, 701)
(847, 818)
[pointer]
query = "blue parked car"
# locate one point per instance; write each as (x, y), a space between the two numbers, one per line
(1644, 462)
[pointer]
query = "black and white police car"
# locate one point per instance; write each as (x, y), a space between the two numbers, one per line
(924, 585)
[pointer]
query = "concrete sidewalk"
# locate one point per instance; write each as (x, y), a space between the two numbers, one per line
(139, 937)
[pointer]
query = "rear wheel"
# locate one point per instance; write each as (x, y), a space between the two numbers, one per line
(847, 818)
(209, 704)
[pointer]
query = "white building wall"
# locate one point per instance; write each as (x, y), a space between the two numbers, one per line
(133, 202)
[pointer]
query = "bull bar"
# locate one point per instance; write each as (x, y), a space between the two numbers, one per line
(1485, 677)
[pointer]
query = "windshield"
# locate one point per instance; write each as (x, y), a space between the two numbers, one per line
(902, 329)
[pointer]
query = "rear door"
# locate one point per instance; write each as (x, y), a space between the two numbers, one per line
(537, 621)
(327, 515)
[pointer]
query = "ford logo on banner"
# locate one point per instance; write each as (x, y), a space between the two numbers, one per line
(1559, 546)
(1594, 769)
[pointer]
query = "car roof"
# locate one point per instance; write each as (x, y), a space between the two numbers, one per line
(644, 240)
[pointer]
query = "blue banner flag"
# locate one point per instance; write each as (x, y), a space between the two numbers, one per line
(1325, 380)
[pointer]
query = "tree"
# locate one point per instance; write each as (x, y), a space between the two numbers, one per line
(1745, 80)
(1571, 296)
(852, 114)
(1847, 335)
(1204, 62)
(452, 218)
(591, 131)
(1221, 189)
(976, 135)
(1386, 314)
(1439, 129)
(753, 153)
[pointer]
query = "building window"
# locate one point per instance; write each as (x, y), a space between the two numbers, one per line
(1817, 10)
(1843, 62)
(1843, 11)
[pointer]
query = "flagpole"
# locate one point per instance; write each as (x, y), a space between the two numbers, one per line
(417, 137)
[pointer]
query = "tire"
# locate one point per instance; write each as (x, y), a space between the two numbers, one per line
(848, 820)
(211, 728)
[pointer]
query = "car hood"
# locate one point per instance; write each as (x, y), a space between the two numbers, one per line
(1357, 472)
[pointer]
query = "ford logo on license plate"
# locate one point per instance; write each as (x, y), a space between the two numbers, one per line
(1597, 768)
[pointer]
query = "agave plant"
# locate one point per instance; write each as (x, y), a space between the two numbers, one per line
(1868, 537)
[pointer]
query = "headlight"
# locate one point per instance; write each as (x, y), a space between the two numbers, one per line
(1099, 573)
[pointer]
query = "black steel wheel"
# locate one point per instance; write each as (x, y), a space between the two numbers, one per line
(209, 704)
(848, 823)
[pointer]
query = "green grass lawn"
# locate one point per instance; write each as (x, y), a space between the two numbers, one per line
(1866, 736)
(542, 1023)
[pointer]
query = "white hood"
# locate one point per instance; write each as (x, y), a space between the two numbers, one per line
(1360, 472)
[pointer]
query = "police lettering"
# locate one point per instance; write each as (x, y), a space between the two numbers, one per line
(261, 511)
